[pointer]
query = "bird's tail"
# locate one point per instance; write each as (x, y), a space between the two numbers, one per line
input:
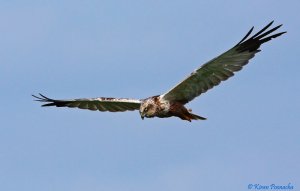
(186, 114)
(197, 117)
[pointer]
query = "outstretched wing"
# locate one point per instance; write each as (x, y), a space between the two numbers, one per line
(101, 103)
(220, 68)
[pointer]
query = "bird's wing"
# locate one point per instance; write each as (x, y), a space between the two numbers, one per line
(101, 103)
(220, 68)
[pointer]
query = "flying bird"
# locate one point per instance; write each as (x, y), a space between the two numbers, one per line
(172, 102)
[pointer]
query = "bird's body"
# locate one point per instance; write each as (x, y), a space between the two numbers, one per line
(172, 102)
(157, 106)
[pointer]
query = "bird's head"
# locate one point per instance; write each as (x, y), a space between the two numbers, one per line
(147, 109)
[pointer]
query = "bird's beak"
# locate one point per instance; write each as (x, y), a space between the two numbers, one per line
(142, 115)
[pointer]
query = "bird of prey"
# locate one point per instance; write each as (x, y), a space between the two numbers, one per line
(199, 81)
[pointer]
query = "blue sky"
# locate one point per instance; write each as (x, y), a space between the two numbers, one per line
(136, 49)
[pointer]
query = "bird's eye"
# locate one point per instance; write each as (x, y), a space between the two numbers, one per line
(146, 109)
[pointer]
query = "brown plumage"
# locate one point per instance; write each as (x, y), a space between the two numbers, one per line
(172, 102)
(178, 110)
